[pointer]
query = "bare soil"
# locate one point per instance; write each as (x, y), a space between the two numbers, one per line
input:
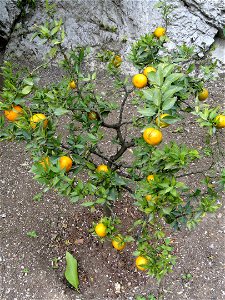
(103, 272)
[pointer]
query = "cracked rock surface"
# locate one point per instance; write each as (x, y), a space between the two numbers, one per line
(108, 23)
(8, 15)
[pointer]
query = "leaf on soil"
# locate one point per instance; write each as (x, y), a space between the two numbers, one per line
(71, 272)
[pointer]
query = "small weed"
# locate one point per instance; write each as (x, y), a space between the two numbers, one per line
(55, 264)
(186, 277)
(179, 129)
(25, 271)
(38, 197)
(207, 151)
(124, 39)
(32, 234)
(107, 27)
(149, 297)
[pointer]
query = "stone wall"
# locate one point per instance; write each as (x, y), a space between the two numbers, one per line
(108, 23)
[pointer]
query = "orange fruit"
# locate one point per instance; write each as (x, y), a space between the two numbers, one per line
(140, 261)
(148, 70)
(118, 243)
(65, 162)
(203, 95)
(160, 123)
(93, 115)
(220, 121)
(150, 177)
(45, 162)
(159, 31)
(100, 229)
(139, 80)
(13, 114)
(152, 136)
(38, 118)
(148, 197)
(117, 60)
(73, 84)
(102, 168)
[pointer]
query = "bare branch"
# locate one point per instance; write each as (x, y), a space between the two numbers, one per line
(197, 172)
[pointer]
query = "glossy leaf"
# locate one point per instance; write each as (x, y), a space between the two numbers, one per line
(71, 272)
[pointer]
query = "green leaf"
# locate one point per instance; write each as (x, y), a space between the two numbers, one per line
(28, 81)
(148, 112)
(53, 52)
(26, 90)
(148, 94)
(71, 272)
(169, 103)
(167, 70)
(190, 68)
(54, 30)
(170, 79)
(100, 200)
(157, 97)
(50, 95)
(167, 210)
(171, 91)
(62, 35)
(44, 30)
(159, 77)
(60, 111)
(86, 204)
(92, 137)
(55, 42)
(152, 77)
(119, 180)
(90, 166)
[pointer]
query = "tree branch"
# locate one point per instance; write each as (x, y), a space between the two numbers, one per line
(123, 148)
(197, 172)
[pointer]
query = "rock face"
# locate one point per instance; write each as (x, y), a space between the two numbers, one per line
(213, 12)
(109, 23)
(8, 15)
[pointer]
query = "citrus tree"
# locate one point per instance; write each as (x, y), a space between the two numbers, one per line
(167, 88)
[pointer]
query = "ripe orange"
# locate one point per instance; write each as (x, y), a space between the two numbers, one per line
(150, 177)
(148, 69)
(152, 136)
(118, 243)
(65, 162)
(13, 114)
(38, 118)
(73, 84)
(102, 168)
(160, 123)
(220, 121)
(140, 261)
(117, 60)
(203, 95)
(45, 162)
(100, 229)
(139, 80)
(93, 115)
(148, 197)
(159, 31)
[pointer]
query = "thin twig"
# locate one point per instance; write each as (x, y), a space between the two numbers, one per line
(197, 172)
